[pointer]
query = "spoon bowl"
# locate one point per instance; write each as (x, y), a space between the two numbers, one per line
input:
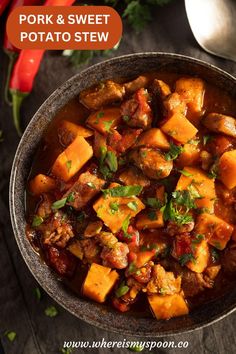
(213, 25)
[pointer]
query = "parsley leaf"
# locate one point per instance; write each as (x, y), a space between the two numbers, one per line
(70, 198)
(133, 205)
(37, 293)
(174, 152)
(11, 335)
(137, 14)
(185, 258)
(37, 220)
(59, 203)
(51, 311)
(206, 139)
(107, 125)
(185, 173)
(111, 161)
(114, 206)
(125, 224)
(154, 203)
(122, 191)
(91, 185)
(152, 215)
(68, 165)
(122, 290)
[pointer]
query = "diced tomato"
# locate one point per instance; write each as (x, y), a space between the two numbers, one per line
(131, 237)
(120, 305)
(182, 245)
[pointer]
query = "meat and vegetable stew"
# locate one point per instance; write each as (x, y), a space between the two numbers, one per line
(131, 197)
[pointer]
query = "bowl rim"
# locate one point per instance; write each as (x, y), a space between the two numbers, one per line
(14, 219)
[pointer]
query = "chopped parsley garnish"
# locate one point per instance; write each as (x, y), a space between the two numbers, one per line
(37, 293)
(62, 202)
(114, 206)
(91, 185)
(59, 203)
(66, 350)
(143, 153)
(68, 165)
(136, 348)
(107, 125)
(11, 335)
(198, 238)
(213, 172)
(126, 118)
(125, 225)
(133, 205)
(108, 162)
(152, 215)
(70, 198)
(185, 258)
(37, 220)
(154, 203)
(214, 255)
(185, 173)
(111, 161)
(51, 311)
(122, 191)
(174, 152)
(100, 114)
(206, 139)
(122, 290)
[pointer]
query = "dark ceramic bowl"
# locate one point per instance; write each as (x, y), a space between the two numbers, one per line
(100, 315)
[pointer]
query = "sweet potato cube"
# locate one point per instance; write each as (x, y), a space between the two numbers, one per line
(114, 218)
(99, 282)
(192, 90)
(190, 155)
(144, 257)
(155, 138)
(105, 119)
(41, 184)
(201, 255)
(216, 231)
(70, 161)
(145, 221)
(168, 306)
(227, 169)
(179, 128)
(204, 186)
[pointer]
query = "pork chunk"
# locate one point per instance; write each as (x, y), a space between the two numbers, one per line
(151, 162)
(136, 84)
(161, 89)
(116, 257)
(220, 123)
(163, 282)
(136, 111)
(83, 190)
(101, 95)
(56, 230)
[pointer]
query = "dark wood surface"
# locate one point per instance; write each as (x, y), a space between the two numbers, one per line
(19, 309)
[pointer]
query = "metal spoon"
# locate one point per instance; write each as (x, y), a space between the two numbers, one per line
(213, 23)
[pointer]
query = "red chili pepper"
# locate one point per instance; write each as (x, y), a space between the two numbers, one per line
(3, 5)
(9, 48)
(25, 70)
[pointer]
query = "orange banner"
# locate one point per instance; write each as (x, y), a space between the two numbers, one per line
(59, 27)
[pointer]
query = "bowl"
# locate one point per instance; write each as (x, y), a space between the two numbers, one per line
(100, 315)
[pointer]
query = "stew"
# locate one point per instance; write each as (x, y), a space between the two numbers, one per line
(131, 197)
